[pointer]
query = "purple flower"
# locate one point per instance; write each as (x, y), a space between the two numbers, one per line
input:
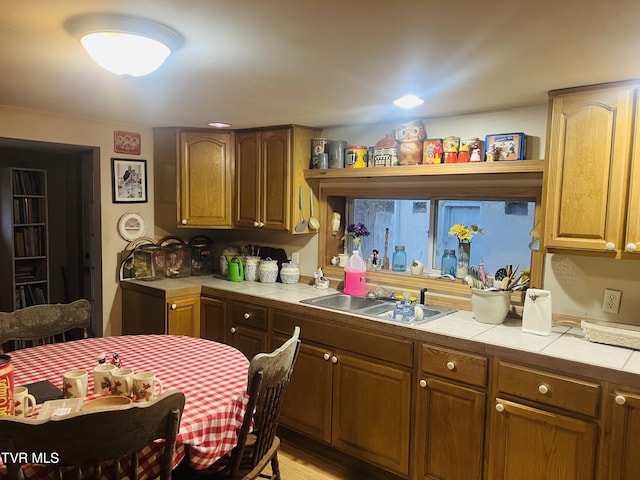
(357, 230)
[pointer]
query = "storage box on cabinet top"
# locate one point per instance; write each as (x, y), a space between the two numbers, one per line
(511, 146)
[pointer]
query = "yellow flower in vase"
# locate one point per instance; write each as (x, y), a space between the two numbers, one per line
(465, 234)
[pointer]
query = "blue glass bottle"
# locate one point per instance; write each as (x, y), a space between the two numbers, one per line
(449, 264)
(399, 260)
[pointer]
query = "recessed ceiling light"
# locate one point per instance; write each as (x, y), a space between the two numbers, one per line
(408, 101)
(123, 44)
(219, 124)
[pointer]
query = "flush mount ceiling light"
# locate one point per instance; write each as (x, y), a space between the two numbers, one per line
(123, 44)
(408, 101)
(219, 124)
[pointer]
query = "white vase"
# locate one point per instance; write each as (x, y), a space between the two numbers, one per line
(490, 306)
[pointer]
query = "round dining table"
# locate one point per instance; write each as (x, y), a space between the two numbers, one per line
(212, 375)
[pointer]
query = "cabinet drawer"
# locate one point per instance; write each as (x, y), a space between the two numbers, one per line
(580, 396)
(460, 366)
(249, 315)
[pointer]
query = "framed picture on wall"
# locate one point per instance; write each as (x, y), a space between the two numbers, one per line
(129, 180)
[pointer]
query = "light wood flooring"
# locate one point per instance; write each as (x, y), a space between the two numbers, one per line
(296, 464)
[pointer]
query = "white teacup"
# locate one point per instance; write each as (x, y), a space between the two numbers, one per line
(121, 381)
(23, 402)
(74, 384)
(102, 378)
(146, 386)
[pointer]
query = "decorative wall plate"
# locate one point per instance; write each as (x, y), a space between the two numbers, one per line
(132, 226)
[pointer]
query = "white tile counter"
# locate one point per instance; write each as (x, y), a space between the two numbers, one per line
(563, 342)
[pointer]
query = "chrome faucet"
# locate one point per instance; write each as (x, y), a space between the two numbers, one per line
(385, 291)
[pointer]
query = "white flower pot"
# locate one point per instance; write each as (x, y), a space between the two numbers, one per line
(490, 306)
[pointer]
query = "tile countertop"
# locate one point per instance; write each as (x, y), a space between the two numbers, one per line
(563, 342)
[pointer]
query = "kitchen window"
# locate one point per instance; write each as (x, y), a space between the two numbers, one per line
(422, 226)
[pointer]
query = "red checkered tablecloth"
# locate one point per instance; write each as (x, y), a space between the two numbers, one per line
(213, 377)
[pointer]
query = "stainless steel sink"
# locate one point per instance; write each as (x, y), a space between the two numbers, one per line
(373, 307)
(340, 301)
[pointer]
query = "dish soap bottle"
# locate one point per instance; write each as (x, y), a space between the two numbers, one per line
(355, 275)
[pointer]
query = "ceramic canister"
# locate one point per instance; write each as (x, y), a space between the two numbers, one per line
(6, 386)
(251, 268)
(290, 273)
(268, 270)
(355, 156)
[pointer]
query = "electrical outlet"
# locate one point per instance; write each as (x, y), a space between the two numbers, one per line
(295, 258)
(611, 301)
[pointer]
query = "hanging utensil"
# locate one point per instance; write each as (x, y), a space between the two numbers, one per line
(385, 259)
(302, 226)
(314, 223)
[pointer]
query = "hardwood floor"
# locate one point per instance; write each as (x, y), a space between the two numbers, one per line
(296, 464)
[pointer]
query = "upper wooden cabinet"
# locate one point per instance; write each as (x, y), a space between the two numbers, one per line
(193, 177)
(269, 176)
(592, 178)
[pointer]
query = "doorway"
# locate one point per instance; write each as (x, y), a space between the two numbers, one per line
(74, 235)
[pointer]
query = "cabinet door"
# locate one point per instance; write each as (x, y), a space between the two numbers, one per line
(143, 314)
(212, 317)
(529, 443)
(450, 431)
(371, 411)
(276, 193)
(183, 317)
(586, 173)
(307, 405)
(624, 461)
(248, 179)
(206, 186)
(248, 340)
(632, 240)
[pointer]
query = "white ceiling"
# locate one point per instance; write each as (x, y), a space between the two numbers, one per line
(321, 63)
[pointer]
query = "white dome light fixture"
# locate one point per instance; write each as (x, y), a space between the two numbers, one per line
(408, 101)
(123, 44)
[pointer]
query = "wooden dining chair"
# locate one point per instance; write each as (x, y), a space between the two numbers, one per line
(257, 444)
(39, 324)
(85, 440)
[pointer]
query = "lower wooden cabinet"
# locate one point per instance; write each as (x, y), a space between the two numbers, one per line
(213, 313)
(183, 316)
(623, 449)
(544, 426)
(358, 403)
(450, 415)
(535, 444)
(307, 405)
(246, 328)
(155, 313)
(371, 410)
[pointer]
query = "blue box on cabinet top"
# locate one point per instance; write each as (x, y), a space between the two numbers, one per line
(510, 146)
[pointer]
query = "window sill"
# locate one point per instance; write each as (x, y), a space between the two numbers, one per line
(450, 293)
